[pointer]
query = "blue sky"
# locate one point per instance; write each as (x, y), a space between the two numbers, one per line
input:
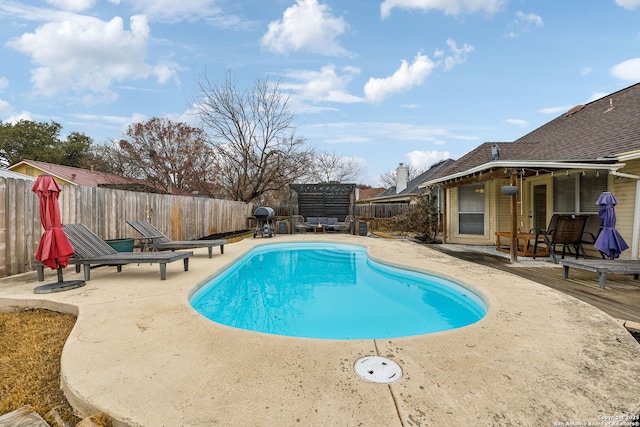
(380, 82)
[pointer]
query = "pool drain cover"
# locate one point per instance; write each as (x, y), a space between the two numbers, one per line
(378, 369)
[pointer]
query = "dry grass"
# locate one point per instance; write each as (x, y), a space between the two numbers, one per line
(30, 351)
(31, 344)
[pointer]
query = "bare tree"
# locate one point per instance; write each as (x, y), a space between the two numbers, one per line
(328, 167)
(253, 136)
(388, 179)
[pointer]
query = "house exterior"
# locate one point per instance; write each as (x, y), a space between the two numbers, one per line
(6, 173)
(561, 167)
(68, 175)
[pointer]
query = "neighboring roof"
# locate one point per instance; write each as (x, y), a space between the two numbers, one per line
(412, 186)
(369, 193)
(6, 173)
(601, 132)
(78, 176)
(93, 178)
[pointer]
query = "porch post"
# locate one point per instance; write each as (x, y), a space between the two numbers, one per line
(444, 214)
(513, 181)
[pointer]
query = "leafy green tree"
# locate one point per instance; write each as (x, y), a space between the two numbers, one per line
(76, 150)
(41, 141)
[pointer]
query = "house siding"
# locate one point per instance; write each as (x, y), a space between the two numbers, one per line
(490, 219)
(624, 189)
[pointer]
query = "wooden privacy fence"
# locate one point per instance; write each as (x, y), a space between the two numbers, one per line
(369, 210)
(380, 210)
(105, 211)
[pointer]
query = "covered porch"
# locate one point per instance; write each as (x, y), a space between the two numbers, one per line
(506, 201)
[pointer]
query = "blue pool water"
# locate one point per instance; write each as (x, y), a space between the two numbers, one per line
(332, 291)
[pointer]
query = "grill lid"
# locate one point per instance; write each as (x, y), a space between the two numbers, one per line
(264, 211)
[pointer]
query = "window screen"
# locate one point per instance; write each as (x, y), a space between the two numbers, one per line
(578, 192)
(592, 184)
(471, 209)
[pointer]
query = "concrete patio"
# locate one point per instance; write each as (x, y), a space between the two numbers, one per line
(141, 354)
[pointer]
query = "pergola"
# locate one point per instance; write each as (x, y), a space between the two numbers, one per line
(327, 200)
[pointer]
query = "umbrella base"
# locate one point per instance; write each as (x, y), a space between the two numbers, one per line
(50, 288)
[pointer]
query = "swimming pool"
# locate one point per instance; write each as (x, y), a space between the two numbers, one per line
(332, 291)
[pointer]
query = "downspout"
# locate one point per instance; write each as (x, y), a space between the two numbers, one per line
(636, 211)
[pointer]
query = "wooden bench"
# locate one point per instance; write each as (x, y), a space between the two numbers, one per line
(523, 250)
(603, 267)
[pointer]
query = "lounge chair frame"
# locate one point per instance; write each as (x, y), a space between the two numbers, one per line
(157, 241)
(90, 250)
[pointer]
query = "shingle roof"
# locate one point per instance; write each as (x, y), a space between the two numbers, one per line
(369, 193)
(93, 178)
(83, 177)
(597, 131)
(412, 186)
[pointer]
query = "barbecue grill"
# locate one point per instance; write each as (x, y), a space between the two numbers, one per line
(264, 222)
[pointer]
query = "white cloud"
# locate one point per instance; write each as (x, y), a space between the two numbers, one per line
(459, 54)
(523, 23)
(5, 108)
(628, 4)
(404, 78)
(517, 122)
(4, 82)
(327, 85)
(422, 160)
(627, 70)
(555, 110)
(173, 11)
(73, 5)
(449, 7)
(87, 55)
(15, 118)
(306, 26)
(114, 124)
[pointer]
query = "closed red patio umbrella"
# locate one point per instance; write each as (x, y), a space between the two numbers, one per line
(54, 249)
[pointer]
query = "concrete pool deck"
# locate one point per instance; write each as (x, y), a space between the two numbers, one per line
(141, 354)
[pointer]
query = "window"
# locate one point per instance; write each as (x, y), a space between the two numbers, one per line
(471, 209)
(577, 193)
(592, 184)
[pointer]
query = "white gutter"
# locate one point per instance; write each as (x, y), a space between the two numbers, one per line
(629, 155)
(636, 212)
(612, 167)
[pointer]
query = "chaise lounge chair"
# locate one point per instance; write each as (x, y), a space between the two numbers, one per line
(92, 250)
(158, 241)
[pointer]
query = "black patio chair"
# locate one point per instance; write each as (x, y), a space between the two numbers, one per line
(567, 231)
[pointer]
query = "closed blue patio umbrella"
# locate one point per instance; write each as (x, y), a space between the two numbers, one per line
(609, 241)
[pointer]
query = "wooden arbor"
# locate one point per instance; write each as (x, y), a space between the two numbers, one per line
(324, 200)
